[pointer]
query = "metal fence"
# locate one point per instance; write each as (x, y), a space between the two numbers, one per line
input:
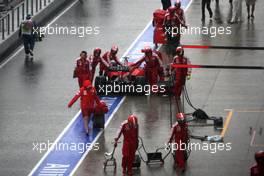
(10, 21)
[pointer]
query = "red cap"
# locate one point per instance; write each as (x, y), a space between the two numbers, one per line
(97, 50)
(179, 50)
(147, 49)
(132, 119)
(180, 116)
(87, 83)
(114, 49)
(259, 156)
(171, 9)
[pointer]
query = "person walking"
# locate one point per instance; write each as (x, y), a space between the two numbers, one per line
(206, 3)
(26, 31)
(252, 4)
(237, 11)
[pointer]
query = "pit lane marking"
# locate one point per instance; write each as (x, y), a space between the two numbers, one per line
(227, 122)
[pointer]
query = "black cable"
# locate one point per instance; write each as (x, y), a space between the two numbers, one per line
(188, 98)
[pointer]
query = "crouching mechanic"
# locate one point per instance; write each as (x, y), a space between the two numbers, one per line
(152, 67)
(180, 135)
(83, 69)
(95, 59)
(109, 57)
(129, 129)
(180, 73)
(89, 100)
(258, 169)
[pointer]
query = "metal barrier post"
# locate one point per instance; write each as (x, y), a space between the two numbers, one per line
(40, 4)
(13, 20)
(27, 9)
(3, 28)
(18, 20)
(8, 24)
(36, 6)
(32, 8)
(23, 11)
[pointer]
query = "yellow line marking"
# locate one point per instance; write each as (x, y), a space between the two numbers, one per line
(249, 110)
(228, 119)
(258, 145)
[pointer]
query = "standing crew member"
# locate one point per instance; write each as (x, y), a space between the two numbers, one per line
(179, 133)
(109, 57)
(258, 169)
(206, 3)
(95, 59)
(129, 129)
(88, 100)
(180, 73)
(26, 31)
(152, 66)
(83, 69)
(179, 12)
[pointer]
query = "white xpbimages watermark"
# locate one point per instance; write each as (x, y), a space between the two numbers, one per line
(79, 31)
(212, 31)
(130, 88)
(64, 146)
(204, 146)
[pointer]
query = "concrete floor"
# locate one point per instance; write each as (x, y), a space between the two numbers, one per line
(33, 103)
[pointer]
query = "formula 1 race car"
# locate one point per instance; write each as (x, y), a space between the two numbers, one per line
(121, 80)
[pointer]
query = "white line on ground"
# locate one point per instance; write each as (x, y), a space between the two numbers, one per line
(22, 47)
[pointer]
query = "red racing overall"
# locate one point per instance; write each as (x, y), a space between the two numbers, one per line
(88, 100)
(180, 74)
(82, 70)
(130, 144)
(107, 58)
(180, 135)
(152, 67)
(258, 169)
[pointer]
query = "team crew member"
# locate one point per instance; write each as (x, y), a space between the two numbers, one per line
(83, 69)
(206, 3)
(26, 30)
(152, 67)
(110, 57)
(129, 129)
(179, 12)
(89, 99)
(258, 169)
(173, 22)
(180, 73)
(95, 59)
(179, 133)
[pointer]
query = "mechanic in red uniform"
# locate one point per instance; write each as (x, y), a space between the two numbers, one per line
(129, 129)
(152, 67)
(95, 59)
(109, 57)
(179, 133)
(180, 73)
(179, 12)
(83, 69)
(258, 169)
(89, 100)
(161, 69)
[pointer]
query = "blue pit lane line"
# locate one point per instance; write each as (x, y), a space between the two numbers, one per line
(60, 162)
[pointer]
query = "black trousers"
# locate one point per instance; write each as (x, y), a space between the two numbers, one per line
(165, 4)
(29, 43)
(206, 3)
